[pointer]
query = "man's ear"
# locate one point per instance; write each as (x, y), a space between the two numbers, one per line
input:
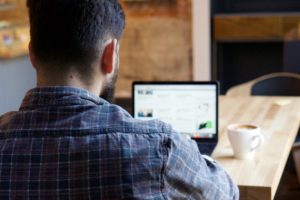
(107, 62)
(32, 56)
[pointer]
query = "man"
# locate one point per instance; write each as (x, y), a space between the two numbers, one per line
(66, 142)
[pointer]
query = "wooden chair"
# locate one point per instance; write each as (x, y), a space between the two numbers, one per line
(276, 84)
(125, 103)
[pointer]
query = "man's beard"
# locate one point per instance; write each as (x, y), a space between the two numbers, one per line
(108, 91)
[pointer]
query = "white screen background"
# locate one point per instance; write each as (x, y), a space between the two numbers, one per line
(190, 109)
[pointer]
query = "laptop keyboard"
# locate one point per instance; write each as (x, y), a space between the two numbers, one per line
(206, 148)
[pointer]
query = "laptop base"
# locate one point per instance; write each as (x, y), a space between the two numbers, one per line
(206, 148)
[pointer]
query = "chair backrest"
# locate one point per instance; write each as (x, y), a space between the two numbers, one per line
(275, 84)
(280, 85)
(124, 102)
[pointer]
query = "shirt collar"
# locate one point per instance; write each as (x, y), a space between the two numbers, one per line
(59, 96)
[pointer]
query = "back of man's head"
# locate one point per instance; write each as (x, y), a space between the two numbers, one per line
(71, 33)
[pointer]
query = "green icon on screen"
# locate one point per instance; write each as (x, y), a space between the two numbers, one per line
(206, 125)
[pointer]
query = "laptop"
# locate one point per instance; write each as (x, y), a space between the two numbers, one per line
(190, 107)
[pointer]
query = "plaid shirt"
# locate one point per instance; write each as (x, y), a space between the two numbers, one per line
(66, 143)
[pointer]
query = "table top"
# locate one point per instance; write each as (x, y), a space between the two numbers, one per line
(279, 118)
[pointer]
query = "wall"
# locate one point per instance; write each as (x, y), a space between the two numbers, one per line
(201, 40)
(17, 13)
(157, 43)
(16, 77)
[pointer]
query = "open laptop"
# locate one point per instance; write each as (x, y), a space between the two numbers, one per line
(190, 107)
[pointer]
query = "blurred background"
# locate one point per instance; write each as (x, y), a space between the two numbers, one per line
(233, 41)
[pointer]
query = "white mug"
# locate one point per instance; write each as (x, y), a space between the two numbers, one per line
(245, 139)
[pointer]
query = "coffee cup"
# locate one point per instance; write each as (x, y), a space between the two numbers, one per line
(245, 139)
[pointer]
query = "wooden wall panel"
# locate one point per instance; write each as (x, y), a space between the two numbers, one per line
(157, 43)
(256, 27)
(17, 13)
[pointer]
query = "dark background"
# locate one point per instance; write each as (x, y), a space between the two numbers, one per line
(238, 62)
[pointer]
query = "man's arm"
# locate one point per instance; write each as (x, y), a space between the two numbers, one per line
(190, 175)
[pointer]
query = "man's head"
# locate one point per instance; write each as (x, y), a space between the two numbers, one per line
(76, 35)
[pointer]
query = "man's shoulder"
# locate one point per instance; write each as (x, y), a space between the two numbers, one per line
(121, 120)
(5, 119)
(105, 118)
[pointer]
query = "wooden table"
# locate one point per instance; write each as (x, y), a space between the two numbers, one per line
(279, 118)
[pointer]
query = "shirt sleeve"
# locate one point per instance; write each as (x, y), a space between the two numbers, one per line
(190, 175)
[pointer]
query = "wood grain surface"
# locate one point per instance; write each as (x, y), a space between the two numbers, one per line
(257, 27)
(279, 118)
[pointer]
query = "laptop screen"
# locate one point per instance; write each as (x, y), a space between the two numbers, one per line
(191, 108)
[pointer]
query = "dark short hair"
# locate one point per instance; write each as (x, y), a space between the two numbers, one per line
(67, 33)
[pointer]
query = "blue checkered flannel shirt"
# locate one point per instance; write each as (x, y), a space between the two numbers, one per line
(66, 143)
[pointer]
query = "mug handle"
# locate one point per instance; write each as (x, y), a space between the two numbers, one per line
(260, 138)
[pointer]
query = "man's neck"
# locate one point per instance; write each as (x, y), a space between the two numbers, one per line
(70, 80)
